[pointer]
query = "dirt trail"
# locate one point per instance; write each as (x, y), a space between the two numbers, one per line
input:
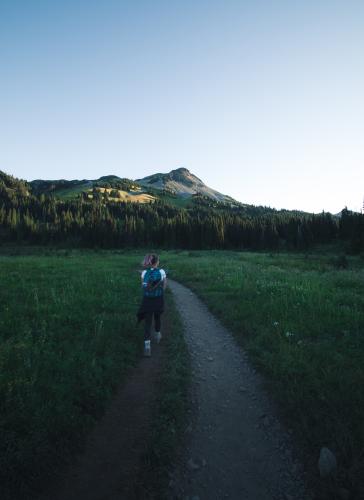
(236, 447)
(109, 467)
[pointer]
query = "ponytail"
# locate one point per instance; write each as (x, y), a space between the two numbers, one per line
(150, 260)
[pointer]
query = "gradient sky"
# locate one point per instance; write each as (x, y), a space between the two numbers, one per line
(263, 100)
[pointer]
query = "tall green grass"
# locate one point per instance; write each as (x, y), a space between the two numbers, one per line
(302, 321)
(67, 337)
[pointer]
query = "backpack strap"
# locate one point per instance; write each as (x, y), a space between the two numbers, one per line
(155, 286)
(152, 288)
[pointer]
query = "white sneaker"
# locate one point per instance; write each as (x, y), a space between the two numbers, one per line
(147, 349)
(158, 337)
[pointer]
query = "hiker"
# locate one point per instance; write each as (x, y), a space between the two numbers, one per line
(154, 282)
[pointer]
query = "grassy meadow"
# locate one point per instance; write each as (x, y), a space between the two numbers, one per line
(301, 318)
(68, 336)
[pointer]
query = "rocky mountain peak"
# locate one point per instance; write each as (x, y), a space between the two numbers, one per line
(180, 170)
(183, 183)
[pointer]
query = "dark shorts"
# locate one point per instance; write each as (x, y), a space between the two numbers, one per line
(150, 305)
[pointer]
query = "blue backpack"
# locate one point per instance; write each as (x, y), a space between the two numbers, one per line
(153, 283)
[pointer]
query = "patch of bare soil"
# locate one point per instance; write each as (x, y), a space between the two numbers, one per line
(236, 447)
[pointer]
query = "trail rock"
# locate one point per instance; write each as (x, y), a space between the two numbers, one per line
(327, 463)
(266, 421)
(344, 494)
(193, 464)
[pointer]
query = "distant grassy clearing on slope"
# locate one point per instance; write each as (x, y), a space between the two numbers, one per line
(302, 320)
(70, 193)
(67, 336)
(134, 196)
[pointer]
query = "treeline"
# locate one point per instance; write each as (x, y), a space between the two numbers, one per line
(46, 220)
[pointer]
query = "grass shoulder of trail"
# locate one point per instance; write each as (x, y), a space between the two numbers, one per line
(67, 337)
(302, 320)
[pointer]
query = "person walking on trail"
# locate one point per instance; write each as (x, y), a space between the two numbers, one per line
(154, 282)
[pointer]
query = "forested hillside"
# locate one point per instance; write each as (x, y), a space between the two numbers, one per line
(99, 220)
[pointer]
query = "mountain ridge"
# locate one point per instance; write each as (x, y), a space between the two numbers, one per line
(178, 183)
(179, 188)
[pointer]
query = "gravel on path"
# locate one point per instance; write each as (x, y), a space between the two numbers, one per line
(235, 446)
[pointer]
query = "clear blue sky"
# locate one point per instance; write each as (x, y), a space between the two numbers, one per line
(263, 100)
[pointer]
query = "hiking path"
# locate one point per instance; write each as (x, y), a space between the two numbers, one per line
(235, 446)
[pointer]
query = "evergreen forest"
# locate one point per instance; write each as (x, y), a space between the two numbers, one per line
(27, 216)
